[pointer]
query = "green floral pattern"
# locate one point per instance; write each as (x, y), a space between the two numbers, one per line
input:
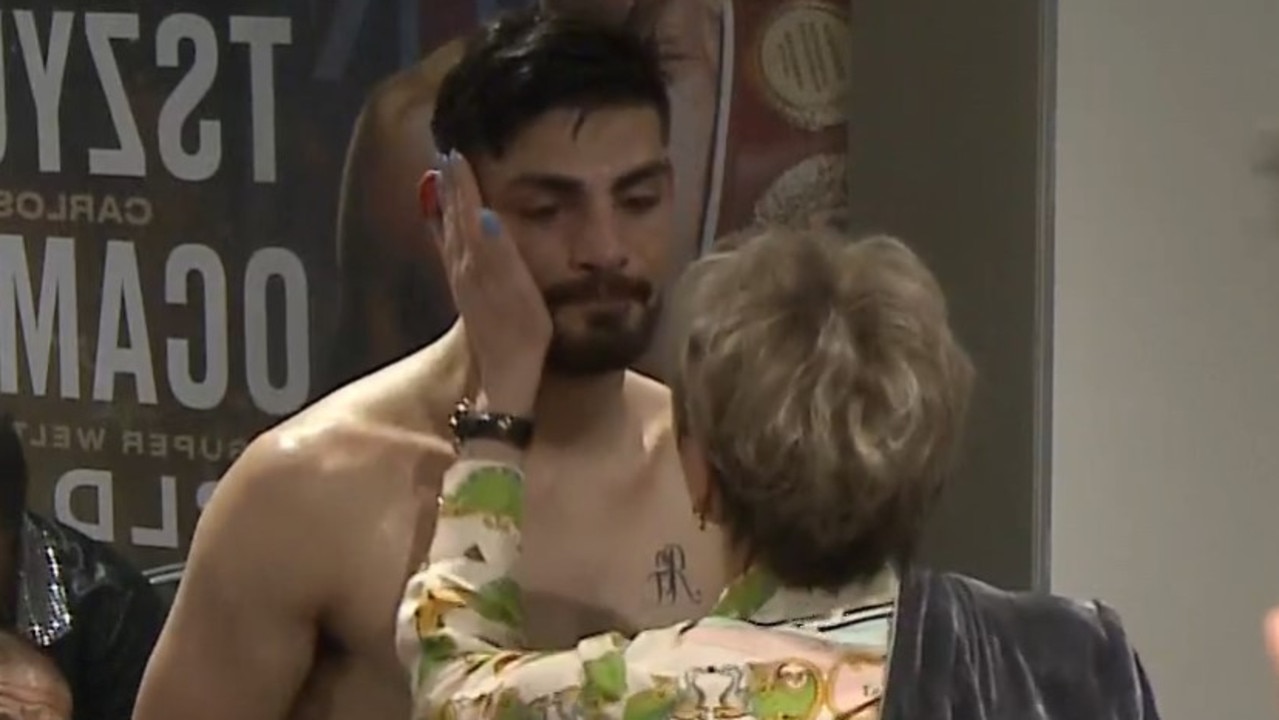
(461, 620)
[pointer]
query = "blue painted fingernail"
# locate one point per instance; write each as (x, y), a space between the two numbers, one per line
(454, 156)
(441, 160)
(490, 222)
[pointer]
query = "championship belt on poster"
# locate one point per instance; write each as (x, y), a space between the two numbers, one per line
(781, 136)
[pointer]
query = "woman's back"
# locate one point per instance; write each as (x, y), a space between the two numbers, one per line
(819, 402)
(714, 669)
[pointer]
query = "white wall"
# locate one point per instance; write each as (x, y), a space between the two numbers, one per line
(1166, 337)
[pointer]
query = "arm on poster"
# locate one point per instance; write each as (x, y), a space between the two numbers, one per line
(240, 638)
(122, 623)
(366, 245)
(385, 257)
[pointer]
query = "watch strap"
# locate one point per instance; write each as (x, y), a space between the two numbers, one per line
(467, 423)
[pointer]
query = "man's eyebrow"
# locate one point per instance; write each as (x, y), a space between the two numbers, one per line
(567, 184)
(643, 173)
(559, 184)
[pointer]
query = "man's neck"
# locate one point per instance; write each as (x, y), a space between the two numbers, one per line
(568, 407)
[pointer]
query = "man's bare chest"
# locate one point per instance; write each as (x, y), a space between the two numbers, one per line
(632, 561)
(624, 560)
(575, 584)
(345, 686)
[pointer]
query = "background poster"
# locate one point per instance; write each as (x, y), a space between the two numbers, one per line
(207, 213)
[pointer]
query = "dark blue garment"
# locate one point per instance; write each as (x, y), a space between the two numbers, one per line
(963, 650)
(89, 610)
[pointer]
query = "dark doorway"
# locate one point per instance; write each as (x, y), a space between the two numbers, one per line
(948, 150)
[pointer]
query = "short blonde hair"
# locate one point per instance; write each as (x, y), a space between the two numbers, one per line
(823, 382)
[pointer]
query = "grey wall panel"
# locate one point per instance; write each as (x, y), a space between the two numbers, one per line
(947, 152)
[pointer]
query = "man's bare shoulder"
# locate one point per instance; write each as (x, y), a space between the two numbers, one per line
(397, 409)
(358, 435)
(326, 447)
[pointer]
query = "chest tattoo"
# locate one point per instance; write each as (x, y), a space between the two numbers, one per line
(669, 577)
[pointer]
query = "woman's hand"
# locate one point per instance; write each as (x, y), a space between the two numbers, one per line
(502, 310)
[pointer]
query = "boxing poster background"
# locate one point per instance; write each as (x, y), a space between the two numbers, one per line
(207, 215)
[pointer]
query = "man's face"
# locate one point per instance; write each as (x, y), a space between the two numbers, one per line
(586, 196)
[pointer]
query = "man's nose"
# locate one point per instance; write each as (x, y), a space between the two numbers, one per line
(599, 245)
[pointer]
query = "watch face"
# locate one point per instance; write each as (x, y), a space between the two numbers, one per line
(468, 424)
(460, 411)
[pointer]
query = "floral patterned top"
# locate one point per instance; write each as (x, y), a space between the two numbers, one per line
(765, 652)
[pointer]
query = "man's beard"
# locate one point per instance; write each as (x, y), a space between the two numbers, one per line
(611, 340)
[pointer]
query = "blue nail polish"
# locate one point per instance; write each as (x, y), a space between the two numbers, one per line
(490, 223)
(454, 156)
(441, 160)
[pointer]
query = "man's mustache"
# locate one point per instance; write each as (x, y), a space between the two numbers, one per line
(604, 286)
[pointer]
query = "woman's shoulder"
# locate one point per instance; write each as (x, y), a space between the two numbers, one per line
(751, 668)
(722, 642)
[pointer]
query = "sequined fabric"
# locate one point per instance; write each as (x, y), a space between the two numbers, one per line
(93, 613)
(44, 612)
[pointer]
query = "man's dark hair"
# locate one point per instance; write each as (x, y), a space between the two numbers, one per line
(529, 62)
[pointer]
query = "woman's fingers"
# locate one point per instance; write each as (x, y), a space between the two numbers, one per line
(453, 215)
(485, 269)
(484, 235)
(485, 247)
(464, 219)
(467, 194)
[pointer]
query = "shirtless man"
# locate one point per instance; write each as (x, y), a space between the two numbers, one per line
(747, 146)
(288, 602)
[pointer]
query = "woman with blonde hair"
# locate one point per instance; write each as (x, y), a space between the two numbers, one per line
(819, 400)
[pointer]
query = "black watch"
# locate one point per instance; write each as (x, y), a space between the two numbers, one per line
(468, 423)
